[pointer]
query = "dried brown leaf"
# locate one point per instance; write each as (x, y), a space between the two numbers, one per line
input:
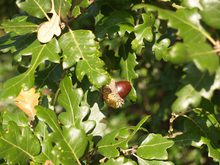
(26, 101)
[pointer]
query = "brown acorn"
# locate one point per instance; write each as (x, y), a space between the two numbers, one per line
(123, 88)
(114, 93)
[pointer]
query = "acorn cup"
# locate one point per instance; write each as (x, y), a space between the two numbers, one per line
(115, 92)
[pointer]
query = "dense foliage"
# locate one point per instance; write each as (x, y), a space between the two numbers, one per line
(52, 110)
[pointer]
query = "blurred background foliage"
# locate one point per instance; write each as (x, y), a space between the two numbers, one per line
(156, 87)
(8, 9)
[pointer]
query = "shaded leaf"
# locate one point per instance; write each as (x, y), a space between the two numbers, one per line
(18, 145)
(197, 85)
(85, 55)
(19, 25)
(194, 35)
(154, 147)
(202, 127)
(15, 44)
(117, 21)
(40, 53)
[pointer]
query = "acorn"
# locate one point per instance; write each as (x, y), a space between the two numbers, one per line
(115, 92)
(123, 88)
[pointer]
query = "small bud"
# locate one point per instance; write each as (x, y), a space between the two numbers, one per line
(114, 93)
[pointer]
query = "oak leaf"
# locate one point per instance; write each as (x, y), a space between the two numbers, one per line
(49, 28)
(26, 101)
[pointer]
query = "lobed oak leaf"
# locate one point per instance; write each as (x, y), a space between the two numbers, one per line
(50, 28)
(26, 101)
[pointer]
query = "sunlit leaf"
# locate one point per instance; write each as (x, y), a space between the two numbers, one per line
(70, 99)
(48, 29)
(108, 146)
(154, 147)
(18, 117)
(120, 161)
(211, 12)
(18, 145)
(85, 55)
(143, 31)
(40, 53)
(37, 8)
(19, 25)
(70, 142)
(26, 101)
(97, 116)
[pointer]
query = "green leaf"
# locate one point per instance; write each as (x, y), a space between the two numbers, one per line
(62, 7)
(203, 56)
(197, 85)
(18, 117)
(18, 145)
(187, 96)
(117, 21)
(194, 36)
(85, 55)
(97, 116)
(143, 31)
(70, 143)
(161, 49)
(109, 144)
(15, 44)
(19, 25)
(120, 161)
(202, 127)
(47, 149)
(187, 23)
(152, 162)
(191, 4)
(70, 99)
(37, 8)
(40, 53)
(127, 72)
(203, 82)
(48, 153)
(154, 147)
(211, 12)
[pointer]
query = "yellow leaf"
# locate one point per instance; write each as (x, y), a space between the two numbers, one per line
(26, 101)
